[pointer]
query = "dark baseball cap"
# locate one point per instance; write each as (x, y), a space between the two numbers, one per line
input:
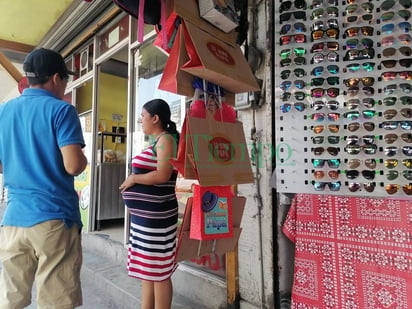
(44, 62)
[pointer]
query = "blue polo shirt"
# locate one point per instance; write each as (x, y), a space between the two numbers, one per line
(33, 127)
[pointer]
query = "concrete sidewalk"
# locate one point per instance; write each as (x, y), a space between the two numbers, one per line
(105, 282)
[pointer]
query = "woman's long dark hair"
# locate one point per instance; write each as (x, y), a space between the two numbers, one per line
(160, 108)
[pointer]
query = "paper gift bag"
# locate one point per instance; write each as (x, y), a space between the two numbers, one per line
(214, 60)
(174, 79)
(188, 248)
(220, 154)
(184, 159)
(211, 213)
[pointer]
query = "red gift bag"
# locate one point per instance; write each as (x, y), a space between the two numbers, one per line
(211, 213)
(173, 79)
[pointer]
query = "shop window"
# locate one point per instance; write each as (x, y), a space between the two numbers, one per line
(114, 35)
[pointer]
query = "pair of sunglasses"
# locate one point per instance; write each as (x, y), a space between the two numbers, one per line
(332, 92)
(392, 175)
(355, 67)
(355, 139)
(367, 174)
(332, 139)
(354, 103)
(299, 95)
(354, 31)
(299, 27)
(331, 80)
(391, 113)
(353, 91)
(404, 87)
(355, 163)
(297, 72)
(320, 186)
(356, 149)
(285, 85)
(331, 11)
(392, 151)
(353, 7)
(392, 163)
(356, 186)
(320, 163)
(392, 63)
(391, 51)
(332, 105)
(402, 38)
(394, 188)
(388, 4)
(333, 128)
(322, 116)
(391, 75)
(354, 43)
(297, 15)
(391, 138)
(321, 174)
(365, 114)
(319, 34)
(393, 125)
(319, 3)
(354, 81)
(404, 14)
(287, 107)
(321, 25)
(286, 53)
(318, 47)
(287, 39)
(354, 126)
(287, 5)
(331, 57)
(333, 151)
(333, 69)
(389, 28)
(359, 54)
(288, 61)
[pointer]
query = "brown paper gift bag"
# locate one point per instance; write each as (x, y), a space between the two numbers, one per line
(214, 60)
(220, 154)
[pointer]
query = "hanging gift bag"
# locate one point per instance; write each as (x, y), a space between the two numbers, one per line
(211, 213)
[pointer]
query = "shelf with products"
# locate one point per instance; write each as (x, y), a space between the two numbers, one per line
(343, 97)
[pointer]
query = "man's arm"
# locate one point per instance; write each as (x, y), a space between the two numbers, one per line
(74, 159)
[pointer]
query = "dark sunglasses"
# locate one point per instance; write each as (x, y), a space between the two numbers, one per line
(298, 73)
(299, 27)
(353, 91)
(331, 80)
(390, 51)
(355, 186)
(287, 5)
(367, 174)
(391, 113)
(356, 149)
(393, 125)
(286, 53)
(285, 85)
(332, 92)
(330, 11)
(354, 43)
(404, 14)
(298, 60)
(321, 25)
(355, 163)
(391, 138)
(321, 174)
(389, 28)
(333, 69)
(297, 14)
(332, 139)
(406, 88)
(322, 116)
(391, 63)
(355, 139)
(318, 151)
(365, 114)
(318, 3)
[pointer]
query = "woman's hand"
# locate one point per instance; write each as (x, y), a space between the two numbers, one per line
(129, 181)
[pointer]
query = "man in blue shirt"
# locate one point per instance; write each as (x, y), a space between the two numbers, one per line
(41, 145)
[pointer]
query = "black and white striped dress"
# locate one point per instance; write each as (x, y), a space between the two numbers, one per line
(154, 212)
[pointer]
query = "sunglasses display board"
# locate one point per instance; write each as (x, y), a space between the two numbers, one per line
(343, 97)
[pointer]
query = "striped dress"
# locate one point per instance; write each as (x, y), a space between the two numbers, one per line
(154, 212)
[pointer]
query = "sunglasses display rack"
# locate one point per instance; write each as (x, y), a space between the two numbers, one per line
(343, 97)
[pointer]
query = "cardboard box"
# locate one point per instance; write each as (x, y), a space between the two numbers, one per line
(220, 13)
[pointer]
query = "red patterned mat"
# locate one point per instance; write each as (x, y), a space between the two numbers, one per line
(351, 253)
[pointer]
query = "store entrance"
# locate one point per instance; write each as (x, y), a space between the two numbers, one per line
(110, 169)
